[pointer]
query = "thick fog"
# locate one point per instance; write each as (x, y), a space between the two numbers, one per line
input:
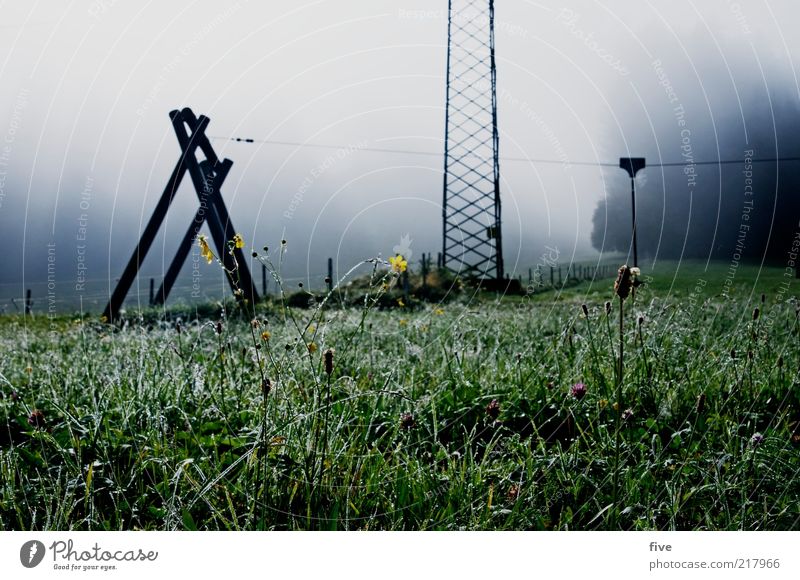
(86, 88)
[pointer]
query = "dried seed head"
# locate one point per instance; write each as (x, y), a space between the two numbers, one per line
(493, 409)
(701, 404)
(266, 387)
(780, 362)
(327, 279)
(733, 353)
(763, 298)
(624, 282)
(513, 492)
(328, 356)
(585, 310)
(407, 421)
(36, 420)
(756, 312)
(756, 440)
(608, 308)
(641, 320)
(218, 327)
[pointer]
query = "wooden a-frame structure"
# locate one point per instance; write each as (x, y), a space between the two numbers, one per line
(207, 177)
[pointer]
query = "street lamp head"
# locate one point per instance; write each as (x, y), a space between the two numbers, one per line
(632, 165)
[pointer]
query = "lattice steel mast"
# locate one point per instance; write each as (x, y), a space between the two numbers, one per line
(472, 238)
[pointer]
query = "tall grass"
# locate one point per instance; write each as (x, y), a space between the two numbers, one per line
(212, 424)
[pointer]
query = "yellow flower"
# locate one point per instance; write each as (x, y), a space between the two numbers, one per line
(312, 347)
(205, 251)
(400, 302)
(438, 311)
(403, 322)
(238, 241)
(266, 335)
(398, 263)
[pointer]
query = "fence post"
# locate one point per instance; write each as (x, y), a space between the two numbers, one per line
(559, 276)
(28, 302)
(329, 279)
(152, 290)
(264, 279)
(552, 279)
(424, 272)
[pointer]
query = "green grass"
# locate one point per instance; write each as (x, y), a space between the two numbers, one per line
(152, 427)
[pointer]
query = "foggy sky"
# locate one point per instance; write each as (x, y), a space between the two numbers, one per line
(86, 87)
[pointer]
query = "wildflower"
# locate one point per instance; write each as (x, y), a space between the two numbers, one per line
(493, 409)
(403, 322)
(266, 335)
(627, 415)
(756, 440)
(238, 241)
(328, 355)
(255, 323)
(438, 311)
(312, 347)
(205, 251)
(36, 420)
(602, 403)
(578, 390)
(636, 272)
(400, 303)
(398, 263)
(624, 282)
(407, 421)
(29, 370)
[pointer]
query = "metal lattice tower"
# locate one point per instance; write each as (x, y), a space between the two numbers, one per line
(472, 238)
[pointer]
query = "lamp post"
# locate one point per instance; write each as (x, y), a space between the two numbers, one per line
(632, 165)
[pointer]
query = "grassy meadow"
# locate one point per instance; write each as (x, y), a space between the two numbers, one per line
(477, 412)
